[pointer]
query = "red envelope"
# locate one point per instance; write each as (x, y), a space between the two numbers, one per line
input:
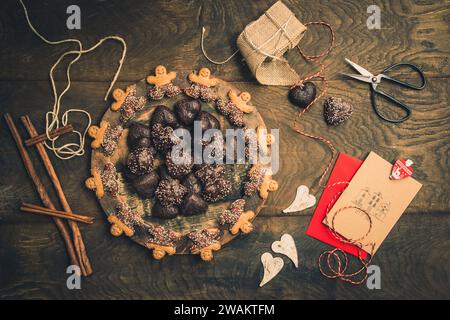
(344, 170)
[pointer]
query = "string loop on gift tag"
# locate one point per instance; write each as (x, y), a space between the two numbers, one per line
(337, 255)
(70, 150)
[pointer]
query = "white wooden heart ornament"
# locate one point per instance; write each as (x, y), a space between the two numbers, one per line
(272, 266)
(287, 247)
(303, 200)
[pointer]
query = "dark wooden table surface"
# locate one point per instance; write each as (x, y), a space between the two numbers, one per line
(414, 259)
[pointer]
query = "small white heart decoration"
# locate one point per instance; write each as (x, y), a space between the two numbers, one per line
(272, 266)
(303, 200)
(287, 247)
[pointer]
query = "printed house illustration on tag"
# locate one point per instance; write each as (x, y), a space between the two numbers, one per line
(373, 203)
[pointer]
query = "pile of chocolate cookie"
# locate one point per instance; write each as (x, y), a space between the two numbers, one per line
(178, 187)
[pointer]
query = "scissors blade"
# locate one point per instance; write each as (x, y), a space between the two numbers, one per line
(359, 77)
(360, 69)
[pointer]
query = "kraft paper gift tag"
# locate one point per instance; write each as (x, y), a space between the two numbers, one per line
(382, 198)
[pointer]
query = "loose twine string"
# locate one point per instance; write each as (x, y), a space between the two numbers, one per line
(70, 150)
(336, 259)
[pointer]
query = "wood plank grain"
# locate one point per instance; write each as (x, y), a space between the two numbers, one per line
(413, 265)
(169, 32)
(423, 138)
(413, 259)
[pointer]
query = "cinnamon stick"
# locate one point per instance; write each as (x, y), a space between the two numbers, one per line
(40, 188)
(80, 248)
(31, 208)
(53, 134)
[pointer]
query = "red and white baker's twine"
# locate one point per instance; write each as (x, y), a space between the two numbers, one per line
(336, 266)
(334, 255)
(319, 74)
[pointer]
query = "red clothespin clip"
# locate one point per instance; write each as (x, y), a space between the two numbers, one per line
(401, 169)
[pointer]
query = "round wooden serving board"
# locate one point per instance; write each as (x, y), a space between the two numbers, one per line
(236, 173)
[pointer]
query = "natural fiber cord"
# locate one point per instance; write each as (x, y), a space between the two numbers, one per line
(52, 121)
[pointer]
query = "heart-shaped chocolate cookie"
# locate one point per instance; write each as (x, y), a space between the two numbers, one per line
(136, 132)
(336, 111)
(193, 204)
(208, 121)
(146, 184)
(303, 95)
(186, 110)
(164, 212)
(272, 266)
(164, 116)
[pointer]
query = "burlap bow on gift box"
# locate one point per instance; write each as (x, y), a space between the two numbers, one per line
(264, 42)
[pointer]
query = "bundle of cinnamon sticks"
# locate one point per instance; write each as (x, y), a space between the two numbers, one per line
(74, 241)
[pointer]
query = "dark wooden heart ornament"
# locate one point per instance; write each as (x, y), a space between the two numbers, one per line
(303, 95)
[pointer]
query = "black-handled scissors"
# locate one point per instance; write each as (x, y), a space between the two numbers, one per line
(368, 77)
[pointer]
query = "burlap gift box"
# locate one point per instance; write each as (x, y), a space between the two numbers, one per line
(264, 42)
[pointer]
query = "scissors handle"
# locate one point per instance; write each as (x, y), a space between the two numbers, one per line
(402, 83)
(374, 92)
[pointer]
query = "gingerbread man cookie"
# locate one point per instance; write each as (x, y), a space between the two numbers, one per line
(161, 241)
(265, 139)
(160, 251)
(255, 179)
(243, 223)
(162, 84)
(268, 184)
(260, 179)
(118, 227)
(95, 183)
(107, 181)
(124, 220)
(241, 101)
(161, 76)
(205, 242)
(203, 78)
(201, 85)
(119, 95)
(227, 108)
(237, 219)
(105, 136)
(97, 133)
(206, 253)
(127, 102)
